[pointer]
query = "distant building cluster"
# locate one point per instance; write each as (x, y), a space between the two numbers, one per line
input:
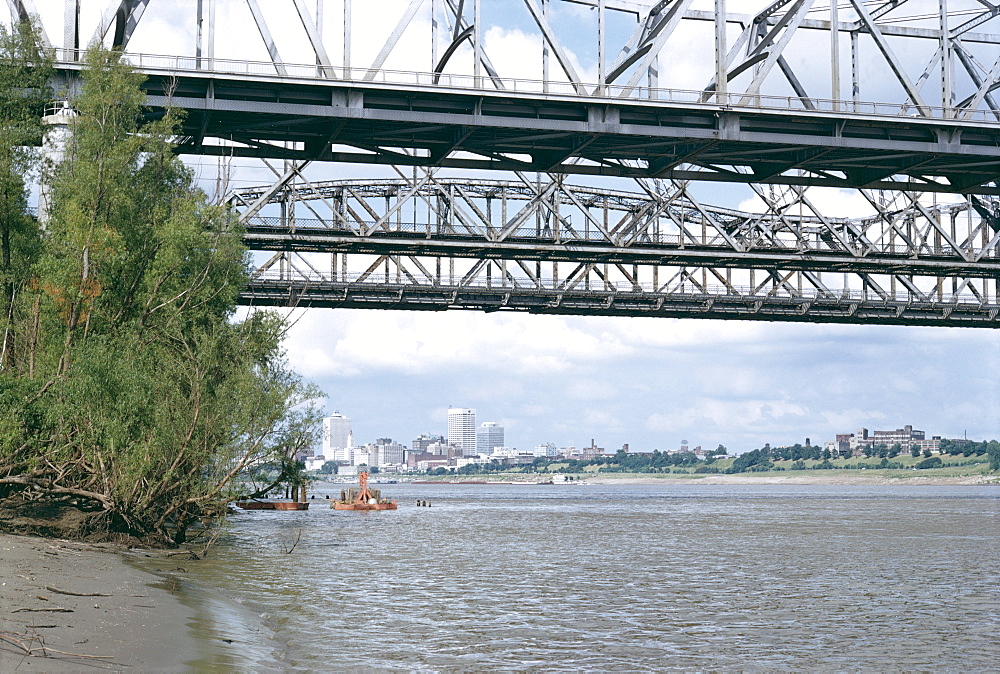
(906, 439)
(466, 443)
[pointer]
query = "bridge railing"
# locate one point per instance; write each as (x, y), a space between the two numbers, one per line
(619, 288)
(310, 227)
(604, 92)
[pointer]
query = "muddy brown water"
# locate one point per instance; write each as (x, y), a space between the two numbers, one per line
(605, 577)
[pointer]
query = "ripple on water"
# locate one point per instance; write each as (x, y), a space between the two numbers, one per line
(628, 577)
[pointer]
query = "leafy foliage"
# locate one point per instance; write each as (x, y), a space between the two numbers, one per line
(140, 395)
(24, 75)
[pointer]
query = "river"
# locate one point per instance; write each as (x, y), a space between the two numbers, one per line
(599, 577)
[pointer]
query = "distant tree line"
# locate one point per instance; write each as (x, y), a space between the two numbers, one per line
(759, 460)
(619, 462)
(754, 461)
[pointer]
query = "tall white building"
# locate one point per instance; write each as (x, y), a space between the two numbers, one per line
(490, 435)
(337, 437)
(462, 429)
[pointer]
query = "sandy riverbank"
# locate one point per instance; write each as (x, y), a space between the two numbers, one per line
(81, 607)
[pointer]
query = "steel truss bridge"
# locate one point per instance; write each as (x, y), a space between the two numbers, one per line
(554, 247)
(894, 99)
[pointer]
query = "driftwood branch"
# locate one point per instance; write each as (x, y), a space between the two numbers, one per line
(31, 650)
(47, 487)
(298, 538)
(75, 594)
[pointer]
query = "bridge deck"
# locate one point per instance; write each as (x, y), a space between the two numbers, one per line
(611, 131)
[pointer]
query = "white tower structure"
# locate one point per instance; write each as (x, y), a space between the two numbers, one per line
(462, 429)
(490, 435)
(337, 437)
(58, 121)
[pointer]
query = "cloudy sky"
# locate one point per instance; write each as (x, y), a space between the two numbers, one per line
(652, 383)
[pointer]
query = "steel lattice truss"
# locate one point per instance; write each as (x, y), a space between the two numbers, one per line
(863, 93)
(894, 98)
(547, 246)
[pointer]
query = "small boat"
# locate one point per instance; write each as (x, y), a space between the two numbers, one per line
(273, 505)
(363, 497)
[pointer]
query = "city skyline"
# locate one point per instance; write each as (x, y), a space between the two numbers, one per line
(852, 436)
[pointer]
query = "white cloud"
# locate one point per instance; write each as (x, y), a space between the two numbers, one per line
(831, 202)
(358, 343)
(735, 416)
(852, 418)
(589, 390)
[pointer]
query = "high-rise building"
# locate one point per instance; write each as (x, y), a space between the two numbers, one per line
(462, 429)
(337, 437)
(490, 435)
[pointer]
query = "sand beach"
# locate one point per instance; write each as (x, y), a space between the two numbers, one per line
(70, 607)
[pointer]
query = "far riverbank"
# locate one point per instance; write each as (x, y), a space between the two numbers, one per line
(764, 478)
(783, 478)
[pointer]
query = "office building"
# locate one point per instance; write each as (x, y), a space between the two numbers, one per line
(906, 437)
(547, 450)
(490, 435)
(441, 449)
(425, 440)
(390, 453)
(337, 437)
(462, 429)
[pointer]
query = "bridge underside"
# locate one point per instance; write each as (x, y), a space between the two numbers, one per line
(601, 302)
(436, 127)
(775, 100)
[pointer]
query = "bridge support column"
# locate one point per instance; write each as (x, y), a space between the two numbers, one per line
(71, 31)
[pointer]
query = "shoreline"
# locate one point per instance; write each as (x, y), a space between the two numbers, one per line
(768, 478)
(83, 606)
(78, 606)
(833, 480)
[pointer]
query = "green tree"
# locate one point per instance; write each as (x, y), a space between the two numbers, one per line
(145, 400)
(24, 91)
(933, 462)
(993, 451)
